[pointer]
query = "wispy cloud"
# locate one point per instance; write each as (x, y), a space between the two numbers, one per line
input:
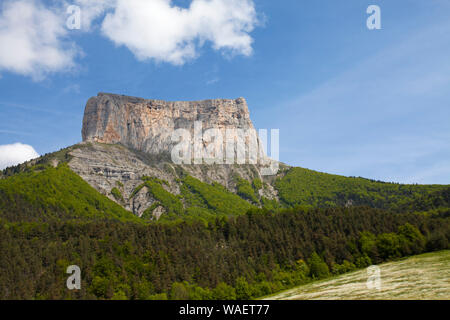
(387, 117)
(212, 81)
(30, 108)
(19, 133)
(438, 173)
(73, 88)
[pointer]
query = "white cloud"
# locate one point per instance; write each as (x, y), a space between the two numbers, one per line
(12, 154)
(32, 39)
(159, 30)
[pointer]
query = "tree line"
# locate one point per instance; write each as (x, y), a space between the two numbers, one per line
(241, 257)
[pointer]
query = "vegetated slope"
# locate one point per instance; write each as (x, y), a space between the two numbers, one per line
(44, 192)
(197, 200)
(248, 256)
(436, 201)
(38, 190)
(213, 197)
(51, 218)
(316, 189)
(421, 277)
(178, 195)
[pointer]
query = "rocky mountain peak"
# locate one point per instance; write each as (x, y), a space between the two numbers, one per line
(146, 125)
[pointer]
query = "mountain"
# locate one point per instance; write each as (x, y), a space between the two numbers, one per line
(142, 226)
(147, 125)
(126, 156)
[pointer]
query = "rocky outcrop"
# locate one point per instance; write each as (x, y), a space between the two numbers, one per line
(108, 166)
(147, 125)
(126, 139)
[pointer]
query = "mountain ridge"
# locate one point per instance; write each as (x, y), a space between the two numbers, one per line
(126, 156)
(288, 189)
(147, 125)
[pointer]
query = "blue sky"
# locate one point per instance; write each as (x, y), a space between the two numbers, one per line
(347, 100)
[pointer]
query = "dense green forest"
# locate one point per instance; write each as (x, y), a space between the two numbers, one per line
(220, 245)
(316, 189)
(296, 187)
(242, 257)
(43, 193)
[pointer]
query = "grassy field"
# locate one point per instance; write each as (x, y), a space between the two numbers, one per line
(425, 276)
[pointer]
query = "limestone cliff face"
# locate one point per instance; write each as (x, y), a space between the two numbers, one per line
(106, 167)
(127, 138)
(147, 125)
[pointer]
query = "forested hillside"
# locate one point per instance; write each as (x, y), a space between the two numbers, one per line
(211, 244)
(44, 192)
(248, 256)
(316, 189)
